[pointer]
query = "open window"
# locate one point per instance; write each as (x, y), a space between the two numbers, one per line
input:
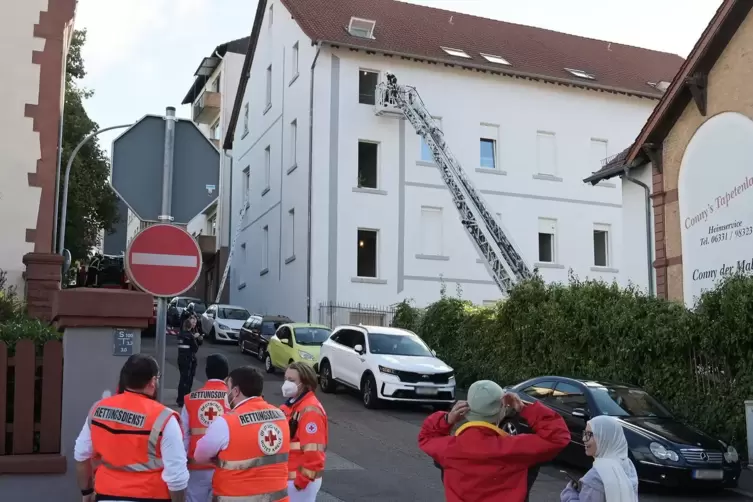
(361, 28)
(367, 82)
(366, 259)
(368, 163)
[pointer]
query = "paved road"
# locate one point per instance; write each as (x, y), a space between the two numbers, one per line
(373, 455)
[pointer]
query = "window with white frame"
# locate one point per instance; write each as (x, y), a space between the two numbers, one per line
(547, 240)
(245, 119)
(367, 82)
(488, 144)
(244, 255)
(602, 247)
(426, 154)
(294, 143)
(431, 231)
(290, 235)
(366, 257)
(267, 167)
(246, 185)
(294, 61)
(215, 132)
(368, 164)
(546, 153)
(212, 224)
(265, 248)
(269, 86)
(598, 154)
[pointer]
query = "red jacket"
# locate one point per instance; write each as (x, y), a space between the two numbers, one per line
(482, 463)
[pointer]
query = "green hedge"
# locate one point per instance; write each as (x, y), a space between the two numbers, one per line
(15, 324)
(699, 363)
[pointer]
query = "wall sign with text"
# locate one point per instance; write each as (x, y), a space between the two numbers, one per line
(715, 192)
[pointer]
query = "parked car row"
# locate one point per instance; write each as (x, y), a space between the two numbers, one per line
(392, 364)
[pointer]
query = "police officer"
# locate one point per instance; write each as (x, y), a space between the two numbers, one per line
(251, 443)
(137, 439)
(189, 341)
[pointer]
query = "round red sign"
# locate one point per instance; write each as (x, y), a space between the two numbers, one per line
(163, 260)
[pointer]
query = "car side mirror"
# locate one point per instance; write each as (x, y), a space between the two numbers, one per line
(358, 348)
(285, 341)
(580, 413)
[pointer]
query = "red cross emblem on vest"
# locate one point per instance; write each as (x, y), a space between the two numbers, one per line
(210, 414)
(270, 438)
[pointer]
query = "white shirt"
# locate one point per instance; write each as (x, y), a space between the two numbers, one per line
(184, 420)
(215, 440)
(175, 472)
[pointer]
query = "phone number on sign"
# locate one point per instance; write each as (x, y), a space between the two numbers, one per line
(727, 236)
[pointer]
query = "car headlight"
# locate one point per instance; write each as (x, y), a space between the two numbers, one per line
(731, 456)
(223, 327)
(387, 370)
(662, 453)
(305, 355)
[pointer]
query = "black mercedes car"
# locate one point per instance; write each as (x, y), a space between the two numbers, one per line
(664, 450)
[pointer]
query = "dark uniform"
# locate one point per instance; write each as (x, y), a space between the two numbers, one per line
(188, 346)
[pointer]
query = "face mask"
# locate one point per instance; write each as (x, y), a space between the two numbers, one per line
(289, 389)
(230, 398)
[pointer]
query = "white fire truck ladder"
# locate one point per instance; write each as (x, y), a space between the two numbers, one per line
(503, 261)
(232, 249)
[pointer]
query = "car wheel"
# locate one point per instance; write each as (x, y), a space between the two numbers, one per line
(261, 353)
(369, 393)
(268, 364)
(326, 382)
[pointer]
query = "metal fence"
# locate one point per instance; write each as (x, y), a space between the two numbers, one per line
(333, 314)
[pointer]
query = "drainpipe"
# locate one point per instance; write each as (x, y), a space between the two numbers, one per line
(649, 229)
(311, 170)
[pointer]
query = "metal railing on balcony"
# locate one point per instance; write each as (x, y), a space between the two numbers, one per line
(207, 107)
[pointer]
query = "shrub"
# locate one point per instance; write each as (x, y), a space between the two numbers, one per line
(15, 324)
(700, 362)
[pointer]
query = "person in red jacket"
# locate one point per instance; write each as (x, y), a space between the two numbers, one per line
(481, 462)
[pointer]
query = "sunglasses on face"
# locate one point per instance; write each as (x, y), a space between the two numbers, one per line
(587, 436)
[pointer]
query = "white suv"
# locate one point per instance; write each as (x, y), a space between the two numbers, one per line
(385, 364)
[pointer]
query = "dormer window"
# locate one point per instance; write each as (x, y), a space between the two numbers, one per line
(456, 52)
(580, 73)
(361, 28)
(495, 59)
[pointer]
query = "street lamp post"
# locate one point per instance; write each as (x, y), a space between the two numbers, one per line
(64, 204)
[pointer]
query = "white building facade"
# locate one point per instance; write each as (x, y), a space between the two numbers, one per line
(383, 226)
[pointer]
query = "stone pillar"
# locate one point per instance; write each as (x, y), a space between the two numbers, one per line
(90, 317)
(44, 272)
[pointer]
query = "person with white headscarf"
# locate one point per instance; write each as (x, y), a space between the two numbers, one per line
(613, 477)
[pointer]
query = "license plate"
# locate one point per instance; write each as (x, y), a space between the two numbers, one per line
(426, 391)
(708, 474)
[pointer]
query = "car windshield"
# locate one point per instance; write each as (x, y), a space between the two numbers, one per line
(311, 336)
(627, 402)
(270, 327)
(233, 314)
(398, 345)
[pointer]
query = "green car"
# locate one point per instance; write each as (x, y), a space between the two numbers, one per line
(295, 342)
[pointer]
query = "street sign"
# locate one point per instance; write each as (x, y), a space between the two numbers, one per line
(122, 344)
(163, 260)
(137, 169)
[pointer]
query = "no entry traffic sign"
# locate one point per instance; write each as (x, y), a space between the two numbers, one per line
(163, 260)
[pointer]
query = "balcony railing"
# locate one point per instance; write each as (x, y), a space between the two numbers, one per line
(207, 107)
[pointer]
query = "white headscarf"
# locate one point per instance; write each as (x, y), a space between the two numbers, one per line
(612, 463)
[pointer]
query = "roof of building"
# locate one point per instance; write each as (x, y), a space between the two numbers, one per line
(702, 58)
(239, 46)
(423, 33)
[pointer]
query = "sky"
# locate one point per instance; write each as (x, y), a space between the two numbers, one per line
(141, 55)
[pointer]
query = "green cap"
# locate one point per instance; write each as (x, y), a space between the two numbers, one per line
(485, 402)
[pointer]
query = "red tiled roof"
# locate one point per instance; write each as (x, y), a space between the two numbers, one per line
(415, 30)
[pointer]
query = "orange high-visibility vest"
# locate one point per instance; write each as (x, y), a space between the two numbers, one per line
(309, 443)
(255, 462)
(126, 430)
(202, 407)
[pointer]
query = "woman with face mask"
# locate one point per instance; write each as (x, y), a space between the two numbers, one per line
(613, 477)
(308, 432)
